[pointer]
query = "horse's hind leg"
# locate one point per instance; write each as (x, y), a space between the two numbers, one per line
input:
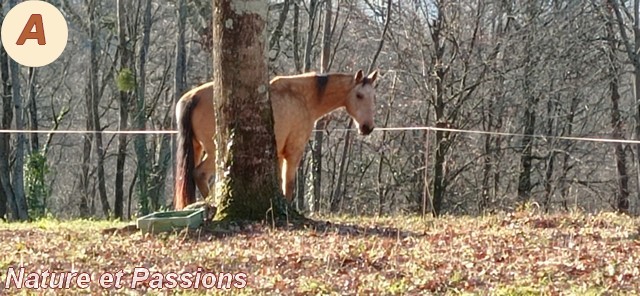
(205, 170)
(198, 153)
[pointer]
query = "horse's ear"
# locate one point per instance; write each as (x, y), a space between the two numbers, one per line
(372, 77)
(359, 76)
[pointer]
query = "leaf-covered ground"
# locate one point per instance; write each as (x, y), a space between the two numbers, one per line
(508, 254)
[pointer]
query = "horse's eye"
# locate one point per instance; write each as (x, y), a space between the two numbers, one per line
(359, 96)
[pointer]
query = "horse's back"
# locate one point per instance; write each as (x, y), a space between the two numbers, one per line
(204, 91)
(202, 115)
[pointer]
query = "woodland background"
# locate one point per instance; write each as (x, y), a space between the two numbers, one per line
(544, 68)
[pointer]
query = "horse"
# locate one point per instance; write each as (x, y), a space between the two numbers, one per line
(297, 102)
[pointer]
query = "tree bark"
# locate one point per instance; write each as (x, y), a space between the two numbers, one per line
(277, 32)
(180, 75)
(306, 67)
(20, 200)
(308, 48)
(297, 61)
(83, 203)
(247, 184)
(622, 201)
(140, 113)
(526, 157)
(634, 58)
(316, 154)
(551, 157)
(33, 110)
(441, 140)
(6, 192)
(636, 73)
(94, 101)
(124, 99)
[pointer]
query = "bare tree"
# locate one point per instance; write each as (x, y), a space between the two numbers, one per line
(93, 101)
(33, 110)
(125, 77)
(316, 154)
(140, 116)
(632, 48)
(20, 202)
(6, 191)
(616, 118)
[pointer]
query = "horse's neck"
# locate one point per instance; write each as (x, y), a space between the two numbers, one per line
(332, 97)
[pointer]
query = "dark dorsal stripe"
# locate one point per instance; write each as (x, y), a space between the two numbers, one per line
(366, 81)
(321, 84)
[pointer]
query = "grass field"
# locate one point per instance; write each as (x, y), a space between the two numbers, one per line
(523, 253)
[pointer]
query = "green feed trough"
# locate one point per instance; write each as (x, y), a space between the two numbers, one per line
(168, 221)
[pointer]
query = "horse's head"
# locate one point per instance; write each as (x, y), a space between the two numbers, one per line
(361, 102)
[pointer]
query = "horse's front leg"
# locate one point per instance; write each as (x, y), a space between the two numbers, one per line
(290, 170)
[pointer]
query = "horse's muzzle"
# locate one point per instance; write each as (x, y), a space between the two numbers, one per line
(366, 129)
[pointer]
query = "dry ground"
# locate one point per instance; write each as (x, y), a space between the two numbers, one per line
(522, 253)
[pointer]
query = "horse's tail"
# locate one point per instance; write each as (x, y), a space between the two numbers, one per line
(185, 188)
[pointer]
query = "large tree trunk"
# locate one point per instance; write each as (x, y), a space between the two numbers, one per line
(247, 183)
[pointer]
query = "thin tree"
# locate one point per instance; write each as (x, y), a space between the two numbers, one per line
(20, 201)
(617, 121)
(316, 154)
(180, 75)
(93, 102)
(140, 113)
(526, 158)
(6, 192)
(632, 48)
(314, 6)
(125, 85)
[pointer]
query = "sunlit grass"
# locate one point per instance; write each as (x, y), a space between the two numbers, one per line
(519, 253)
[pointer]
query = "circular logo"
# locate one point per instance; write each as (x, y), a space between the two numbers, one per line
(34, 33)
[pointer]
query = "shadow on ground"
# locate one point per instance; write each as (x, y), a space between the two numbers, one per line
(319, 227)
(225, 229)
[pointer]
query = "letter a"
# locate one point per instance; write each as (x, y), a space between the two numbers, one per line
(34, 20)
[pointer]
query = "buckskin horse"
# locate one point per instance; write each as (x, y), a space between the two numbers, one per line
(297, 101)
